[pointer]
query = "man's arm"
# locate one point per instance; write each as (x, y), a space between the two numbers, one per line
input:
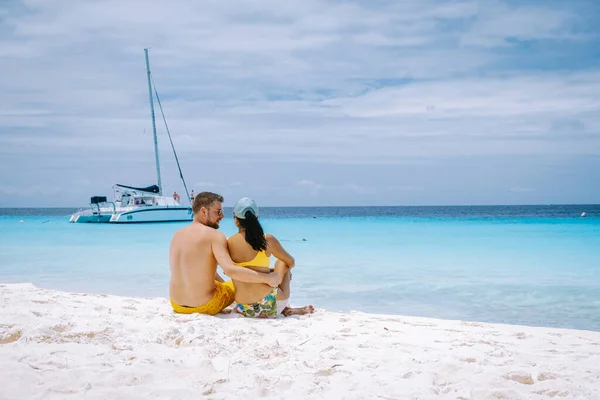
(219, 248)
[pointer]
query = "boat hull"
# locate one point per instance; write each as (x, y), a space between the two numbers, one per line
(91, 219)
(153, 214)
(96, 214)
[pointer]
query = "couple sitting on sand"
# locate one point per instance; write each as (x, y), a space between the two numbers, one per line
(196, 286)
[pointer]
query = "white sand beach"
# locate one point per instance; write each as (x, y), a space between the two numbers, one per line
(57, 345)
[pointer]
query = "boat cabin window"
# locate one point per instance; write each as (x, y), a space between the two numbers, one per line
(143, 201)
(125, 199)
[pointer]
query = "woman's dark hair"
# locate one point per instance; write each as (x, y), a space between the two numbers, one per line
(255, 236)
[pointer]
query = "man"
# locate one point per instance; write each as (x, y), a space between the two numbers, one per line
(195, 251)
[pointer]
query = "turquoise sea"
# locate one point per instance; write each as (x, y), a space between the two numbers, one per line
(530, 265)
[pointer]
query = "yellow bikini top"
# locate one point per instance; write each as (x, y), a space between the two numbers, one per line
(260, 260)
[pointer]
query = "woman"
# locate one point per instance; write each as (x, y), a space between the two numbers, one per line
(251, 248)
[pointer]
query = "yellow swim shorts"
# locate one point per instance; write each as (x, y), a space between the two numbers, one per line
(224, 295)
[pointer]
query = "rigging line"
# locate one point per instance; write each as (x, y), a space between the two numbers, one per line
(169, 134)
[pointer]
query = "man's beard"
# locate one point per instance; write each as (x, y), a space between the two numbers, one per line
(214, 225)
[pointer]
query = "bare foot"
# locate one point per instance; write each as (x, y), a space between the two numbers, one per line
(298, 310)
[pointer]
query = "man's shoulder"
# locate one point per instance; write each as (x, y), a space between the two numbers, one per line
(178, 232)
(216, 234)
(195, 230)
(208, 232)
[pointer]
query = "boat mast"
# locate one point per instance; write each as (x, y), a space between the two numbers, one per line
(153, 123)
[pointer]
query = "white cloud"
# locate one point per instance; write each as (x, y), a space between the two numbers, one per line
(496, 22)
(362, 83)
(506, 96)
(306, 182)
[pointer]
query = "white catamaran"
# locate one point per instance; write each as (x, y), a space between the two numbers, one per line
(135, 204)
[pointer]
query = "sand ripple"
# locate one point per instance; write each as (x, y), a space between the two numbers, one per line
(56, 345)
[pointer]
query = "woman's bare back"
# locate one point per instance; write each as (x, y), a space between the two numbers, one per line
(240, 251)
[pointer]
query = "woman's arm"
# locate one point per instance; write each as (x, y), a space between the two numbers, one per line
(280, 268)
(279, 252)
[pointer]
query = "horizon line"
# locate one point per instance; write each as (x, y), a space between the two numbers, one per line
(381, 206)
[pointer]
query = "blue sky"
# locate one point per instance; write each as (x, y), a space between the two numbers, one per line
(303, 102)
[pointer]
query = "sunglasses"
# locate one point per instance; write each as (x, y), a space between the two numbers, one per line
(219, 211)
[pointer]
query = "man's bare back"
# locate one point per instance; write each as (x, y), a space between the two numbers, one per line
(193, 265)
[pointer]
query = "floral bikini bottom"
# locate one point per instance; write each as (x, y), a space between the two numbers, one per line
(265, 308)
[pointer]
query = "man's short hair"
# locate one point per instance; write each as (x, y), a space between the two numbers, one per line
(205, 199)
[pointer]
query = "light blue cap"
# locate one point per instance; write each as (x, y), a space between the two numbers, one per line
(244, 205)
